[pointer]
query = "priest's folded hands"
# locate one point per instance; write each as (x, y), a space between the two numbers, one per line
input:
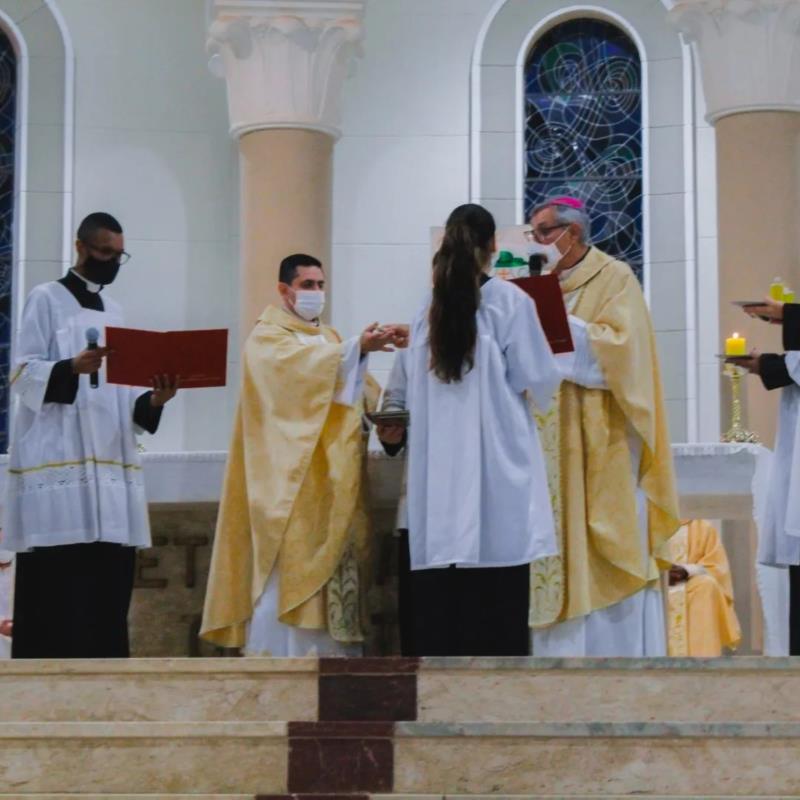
(678, 574)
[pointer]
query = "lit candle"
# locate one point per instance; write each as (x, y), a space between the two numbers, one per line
(736, 346)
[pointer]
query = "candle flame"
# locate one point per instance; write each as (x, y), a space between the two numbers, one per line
(735, 335)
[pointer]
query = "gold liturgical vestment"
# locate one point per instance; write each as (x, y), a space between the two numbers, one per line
(586, 439)
(702, 619)
(293, 489)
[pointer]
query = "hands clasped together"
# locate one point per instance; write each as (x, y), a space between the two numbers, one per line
(384, 338)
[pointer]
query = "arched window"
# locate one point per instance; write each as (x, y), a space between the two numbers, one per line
(8, 127)
(583, 98)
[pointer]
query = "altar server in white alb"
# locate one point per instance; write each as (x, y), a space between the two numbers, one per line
(76, 509)
(779, 542)
(479, 508)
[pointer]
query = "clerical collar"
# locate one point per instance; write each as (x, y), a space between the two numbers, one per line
(94, 288)
(562, 276)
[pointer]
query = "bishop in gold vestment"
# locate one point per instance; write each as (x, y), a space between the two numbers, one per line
(609, 460)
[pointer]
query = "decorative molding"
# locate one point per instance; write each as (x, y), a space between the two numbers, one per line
(285, 62)
(747, 50)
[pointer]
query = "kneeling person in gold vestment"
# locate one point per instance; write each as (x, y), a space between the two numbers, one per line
(702, 619)
(291, 544)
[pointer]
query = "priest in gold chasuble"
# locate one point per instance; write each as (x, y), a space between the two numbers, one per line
(609, 458)
(702, 619)
(291, 549)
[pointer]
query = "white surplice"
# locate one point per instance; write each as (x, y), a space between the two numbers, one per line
(779, 526)
(636, 626)
(477, 483)
(74, 472)
(266, 634)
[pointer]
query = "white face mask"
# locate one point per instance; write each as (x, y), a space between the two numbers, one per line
(550, 252)
(309, 304)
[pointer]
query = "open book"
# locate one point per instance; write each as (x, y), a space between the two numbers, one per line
(198, 358)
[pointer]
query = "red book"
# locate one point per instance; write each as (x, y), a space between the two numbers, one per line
(199, 358)
(546, 293)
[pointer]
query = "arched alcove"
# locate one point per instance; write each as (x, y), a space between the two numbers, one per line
(666, 225)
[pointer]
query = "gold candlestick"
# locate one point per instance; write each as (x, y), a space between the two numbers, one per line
(737, 432)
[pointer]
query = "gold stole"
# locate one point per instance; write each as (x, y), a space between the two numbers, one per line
(677, 612)
(547, 574)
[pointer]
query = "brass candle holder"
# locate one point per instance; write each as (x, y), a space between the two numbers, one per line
(737, 432)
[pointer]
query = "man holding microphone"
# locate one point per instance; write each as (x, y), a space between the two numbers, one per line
(76, 509)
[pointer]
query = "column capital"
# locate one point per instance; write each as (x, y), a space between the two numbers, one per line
(748, 52)
(285, 61)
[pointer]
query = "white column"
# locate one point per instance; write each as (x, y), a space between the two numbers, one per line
(285, 64)
(747, 51)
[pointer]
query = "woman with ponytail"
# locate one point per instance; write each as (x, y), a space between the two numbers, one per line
(478, 503)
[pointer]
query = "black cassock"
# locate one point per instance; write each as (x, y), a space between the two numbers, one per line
(774, 375)
(72, 601)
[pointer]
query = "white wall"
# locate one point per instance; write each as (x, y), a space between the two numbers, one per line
(403, 162)
(152, 147)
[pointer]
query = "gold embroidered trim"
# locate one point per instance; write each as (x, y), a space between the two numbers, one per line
(344, 600)
(548, 578)
(678, 619)
(57, 465)
(16, 375)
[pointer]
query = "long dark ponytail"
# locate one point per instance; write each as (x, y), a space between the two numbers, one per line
(457, 267)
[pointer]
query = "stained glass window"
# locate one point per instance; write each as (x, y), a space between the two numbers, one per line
(8, 121)
(583, 105)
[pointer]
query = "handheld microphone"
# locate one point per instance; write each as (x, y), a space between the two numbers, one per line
(92, 337)
(536, 263)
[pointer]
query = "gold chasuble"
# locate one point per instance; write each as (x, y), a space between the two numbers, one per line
(702, 618)
(586, 439)
(293, 493)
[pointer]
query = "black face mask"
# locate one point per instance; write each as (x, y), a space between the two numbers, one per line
(101, 272)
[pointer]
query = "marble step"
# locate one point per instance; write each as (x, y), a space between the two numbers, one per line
(740, 689)
(407, 759)
(156, 690)
(166, 758)
(597, 760)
